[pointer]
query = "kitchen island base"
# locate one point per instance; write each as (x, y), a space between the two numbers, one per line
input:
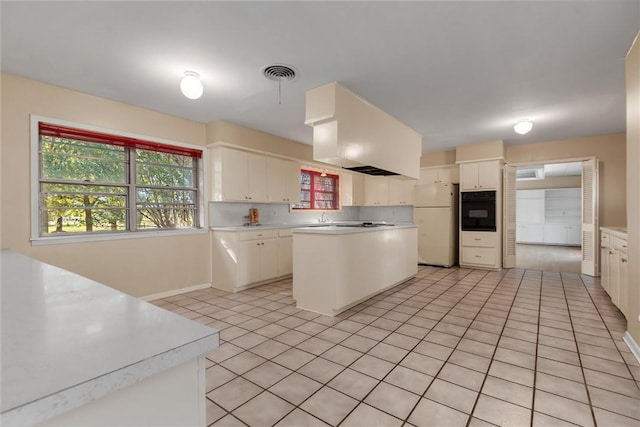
(337, 268)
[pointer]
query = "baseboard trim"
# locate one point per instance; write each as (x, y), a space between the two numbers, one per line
(175, 292)
(633, 346)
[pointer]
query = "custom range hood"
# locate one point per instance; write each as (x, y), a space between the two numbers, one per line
(352, 133)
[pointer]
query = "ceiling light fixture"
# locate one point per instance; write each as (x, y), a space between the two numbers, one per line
(523, 127)
(191, 86)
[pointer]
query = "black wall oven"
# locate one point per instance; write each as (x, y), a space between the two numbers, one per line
(478, 211)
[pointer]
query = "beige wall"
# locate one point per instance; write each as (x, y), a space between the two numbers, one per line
(135, 266)
(256, 140)
(633, 187)
(608, 149)
(490, 150)
(438, 158)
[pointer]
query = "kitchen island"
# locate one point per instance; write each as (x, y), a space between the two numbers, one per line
(78, 353)
(336, 267)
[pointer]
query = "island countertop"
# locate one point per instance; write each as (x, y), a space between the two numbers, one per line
(342, 229)
(67, 340)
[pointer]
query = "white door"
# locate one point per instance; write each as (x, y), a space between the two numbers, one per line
(257, 177)
(235, 177)
(590, 179)
(509, 209)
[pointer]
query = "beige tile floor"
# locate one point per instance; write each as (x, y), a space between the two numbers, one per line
(451, 347)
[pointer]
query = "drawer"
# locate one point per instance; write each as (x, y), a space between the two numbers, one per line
(478, 238)
(257, 234)
(285, 232)
(480, 256)
(618, 243)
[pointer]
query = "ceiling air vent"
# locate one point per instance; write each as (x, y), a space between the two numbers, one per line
(279, 72)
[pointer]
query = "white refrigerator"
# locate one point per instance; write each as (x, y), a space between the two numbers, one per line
(436, 214)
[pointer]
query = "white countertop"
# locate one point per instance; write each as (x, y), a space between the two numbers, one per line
(620, 232)
(333, 229)
(279, 226)
(67, 340)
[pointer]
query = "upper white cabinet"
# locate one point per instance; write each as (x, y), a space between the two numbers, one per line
(480, 175)
(445, 175)
(401, 191)
(352, 189)
(283, 179)
(238, 175)
(376, 191)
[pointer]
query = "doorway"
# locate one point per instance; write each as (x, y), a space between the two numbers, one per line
(550, 216)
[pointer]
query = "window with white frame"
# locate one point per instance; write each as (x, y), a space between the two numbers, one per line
(96, 183)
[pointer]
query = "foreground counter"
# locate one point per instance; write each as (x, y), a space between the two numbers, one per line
(335, 268)
(78, 353)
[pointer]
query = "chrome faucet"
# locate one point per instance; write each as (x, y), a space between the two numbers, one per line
(323, 218)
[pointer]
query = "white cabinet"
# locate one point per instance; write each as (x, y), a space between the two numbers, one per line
(614, 267)
(480, 249)
(283, 179)
(624, 284)
(241, 259)
(529, 233)
(549, 216)
(480, 175)
(401, 191)
(238, 176)
(352, 189)
(444, 174)
(376, 191)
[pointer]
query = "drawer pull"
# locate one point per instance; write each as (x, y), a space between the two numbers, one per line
(475, 238)
(478, 256)
(623, 260)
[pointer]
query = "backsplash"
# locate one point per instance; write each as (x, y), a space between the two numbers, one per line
(224, 214)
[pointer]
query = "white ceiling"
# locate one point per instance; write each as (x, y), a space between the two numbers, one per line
(457, 72)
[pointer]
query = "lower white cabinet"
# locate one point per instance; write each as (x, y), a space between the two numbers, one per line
(480, 249)
(529, 233)
(285, 252)
(614, 267)
(242, 259)
(562, 234)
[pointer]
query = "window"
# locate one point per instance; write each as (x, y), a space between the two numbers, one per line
(318, 191)
(90, 182)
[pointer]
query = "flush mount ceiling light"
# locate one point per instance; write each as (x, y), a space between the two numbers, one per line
(523, 127)
(191, 86)
(279, 72)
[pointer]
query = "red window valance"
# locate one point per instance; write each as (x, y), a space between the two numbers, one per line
(120, 141)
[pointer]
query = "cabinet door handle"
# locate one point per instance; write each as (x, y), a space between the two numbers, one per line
(257, 244)
(623, 260)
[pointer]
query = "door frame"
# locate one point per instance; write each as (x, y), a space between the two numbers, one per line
(597, 202)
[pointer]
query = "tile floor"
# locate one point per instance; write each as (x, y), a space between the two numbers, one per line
(451, 347)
